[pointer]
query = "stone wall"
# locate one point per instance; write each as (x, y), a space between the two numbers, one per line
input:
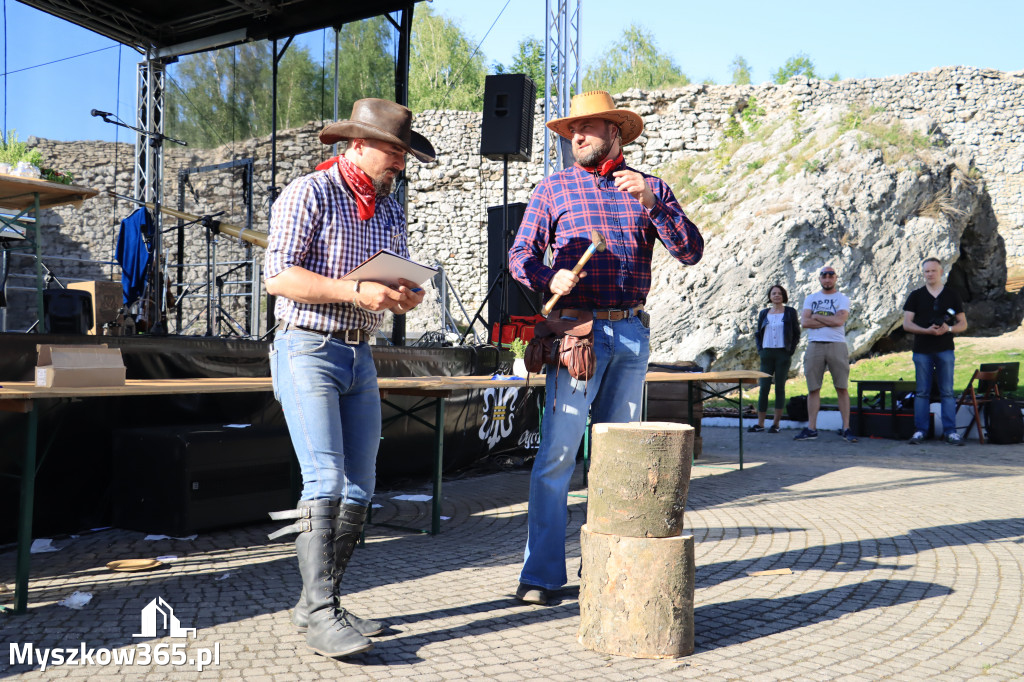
(979, 112)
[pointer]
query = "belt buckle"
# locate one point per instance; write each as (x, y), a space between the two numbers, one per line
(352, 337)
(616, 315)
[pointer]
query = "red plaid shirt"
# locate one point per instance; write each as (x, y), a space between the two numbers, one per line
(573, 202)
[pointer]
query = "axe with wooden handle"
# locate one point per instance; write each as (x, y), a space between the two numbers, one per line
(596, 244)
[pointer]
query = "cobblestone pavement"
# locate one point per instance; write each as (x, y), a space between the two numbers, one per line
(907, 564)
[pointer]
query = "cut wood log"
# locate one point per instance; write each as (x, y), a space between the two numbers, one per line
(636, 596)
(639, 478)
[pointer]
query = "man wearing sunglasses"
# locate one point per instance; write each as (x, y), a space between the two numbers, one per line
(933, 314)
(824, 317)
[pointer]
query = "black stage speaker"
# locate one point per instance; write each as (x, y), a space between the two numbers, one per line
(507, 125)
(177, 480)
(497, 258)
(67, 311)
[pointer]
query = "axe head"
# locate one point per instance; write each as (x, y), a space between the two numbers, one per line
(597, 240)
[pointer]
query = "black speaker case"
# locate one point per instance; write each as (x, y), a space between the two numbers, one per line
(519, 298)
(180, 480)
(506, 128)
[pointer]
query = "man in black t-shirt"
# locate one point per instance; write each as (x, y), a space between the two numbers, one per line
(933, 314)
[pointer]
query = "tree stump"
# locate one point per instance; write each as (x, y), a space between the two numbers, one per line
(636, 597)
(639, 478)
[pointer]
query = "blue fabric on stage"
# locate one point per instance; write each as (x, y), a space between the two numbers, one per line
(133, 254)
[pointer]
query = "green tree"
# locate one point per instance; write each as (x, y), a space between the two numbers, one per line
(222, 96)
(444, 72)
(366, 67)
(797, 65)
(634, 61)
(529, 60)
(218, 97)
(740, 71)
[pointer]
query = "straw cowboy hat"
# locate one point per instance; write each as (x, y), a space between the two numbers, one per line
(599, 104)
(380, 119)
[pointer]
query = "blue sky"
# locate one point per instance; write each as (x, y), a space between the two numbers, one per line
(869, 38)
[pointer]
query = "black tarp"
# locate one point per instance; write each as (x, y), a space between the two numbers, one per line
(72, 484)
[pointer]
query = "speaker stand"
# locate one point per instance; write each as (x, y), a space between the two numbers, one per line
(504, 278)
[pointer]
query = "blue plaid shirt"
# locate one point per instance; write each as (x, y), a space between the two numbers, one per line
(573, 202)
(314, 225)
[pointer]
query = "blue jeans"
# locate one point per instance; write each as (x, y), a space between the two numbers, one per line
(613, 395)
(942, 362)
(328, 392)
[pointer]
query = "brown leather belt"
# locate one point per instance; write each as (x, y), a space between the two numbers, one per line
(351, 337)
(612, 315)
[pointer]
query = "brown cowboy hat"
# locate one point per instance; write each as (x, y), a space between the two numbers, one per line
(380, 119)
(599, 104)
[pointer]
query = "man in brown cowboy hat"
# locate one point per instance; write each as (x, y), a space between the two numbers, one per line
(631, 210)
(322, 227)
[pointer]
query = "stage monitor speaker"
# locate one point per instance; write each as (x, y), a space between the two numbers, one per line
(507, 124)
(519, 297)
(179, 480)
(67, 311)
(107, 297)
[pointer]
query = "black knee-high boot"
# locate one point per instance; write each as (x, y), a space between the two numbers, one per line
(329, 631)
(350, 527)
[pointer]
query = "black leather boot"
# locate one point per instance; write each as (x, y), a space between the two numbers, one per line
(349, 529)
(329, 632)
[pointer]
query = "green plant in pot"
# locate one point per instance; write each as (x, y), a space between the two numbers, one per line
(518, 348)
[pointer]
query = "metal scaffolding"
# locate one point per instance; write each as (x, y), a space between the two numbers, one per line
(149, 165)
(561, 74)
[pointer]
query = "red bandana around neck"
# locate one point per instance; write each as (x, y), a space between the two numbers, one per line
(605, 167)
(358, 181)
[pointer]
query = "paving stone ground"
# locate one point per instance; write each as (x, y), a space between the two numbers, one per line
(907, 564)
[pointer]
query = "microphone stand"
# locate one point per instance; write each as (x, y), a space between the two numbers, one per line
(156, 141)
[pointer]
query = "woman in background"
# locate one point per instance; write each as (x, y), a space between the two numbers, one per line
(778, 333)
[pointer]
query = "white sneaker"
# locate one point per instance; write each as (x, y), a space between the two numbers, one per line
(916, 438)
(954, 439)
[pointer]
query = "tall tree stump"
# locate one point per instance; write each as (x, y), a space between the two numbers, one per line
(636, 597)
(639, 479)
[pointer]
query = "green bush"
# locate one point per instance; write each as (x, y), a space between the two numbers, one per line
(13, 151)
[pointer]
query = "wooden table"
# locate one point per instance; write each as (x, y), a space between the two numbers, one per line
(20, 397)
(696, 383)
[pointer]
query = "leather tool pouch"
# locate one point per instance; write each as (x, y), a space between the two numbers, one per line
(564, 341)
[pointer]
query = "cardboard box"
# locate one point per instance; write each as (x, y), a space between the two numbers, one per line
(78, 366)
(107, 297)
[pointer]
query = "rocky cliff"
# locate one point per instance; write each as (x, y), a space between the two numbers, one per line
(785, 195)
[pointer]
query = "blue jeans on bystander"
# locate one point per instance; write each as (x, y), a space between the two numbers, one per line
(328, 393)
(942, 364)
(613, 395)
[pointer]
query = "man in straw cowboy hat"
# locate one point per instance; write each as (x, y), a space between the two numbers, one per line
(631, 210)
(323, 226)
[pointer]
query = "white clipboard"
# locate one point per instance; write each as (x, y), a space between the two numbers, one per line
(387, 267)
